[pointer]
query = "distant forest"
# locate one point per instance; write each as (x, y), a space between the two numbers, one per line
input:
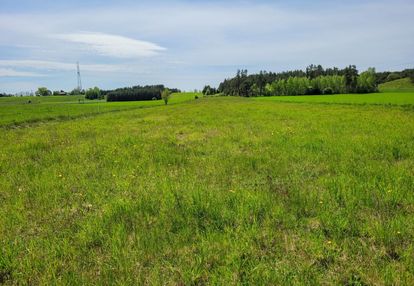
(314, 80)
(136, 93)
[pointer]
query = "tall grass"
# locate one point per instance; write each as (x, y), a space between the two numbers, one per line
(17, 111)
(386, 98)
(214, 191)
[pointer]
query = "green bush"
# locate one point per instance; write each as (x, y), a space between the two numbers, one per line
(93, 93)
(310, 90)
(393, 76)
(43, 91)
(165, 95)
(367, 82)
(327, 90)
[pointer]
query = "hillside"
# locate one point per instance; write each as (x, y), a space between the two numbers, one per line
(403, 84)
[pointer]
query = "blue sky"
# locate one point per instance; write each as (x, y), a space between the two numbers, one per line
(187, 44)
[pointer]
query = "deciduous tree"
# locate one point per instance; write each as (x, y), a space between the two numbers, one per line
(165, 95)
(43, 91)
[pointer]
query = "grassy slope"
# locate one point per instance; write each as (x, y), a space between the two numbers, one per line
(17, 110)
(399, 85)
(391, 98)
(216, 191)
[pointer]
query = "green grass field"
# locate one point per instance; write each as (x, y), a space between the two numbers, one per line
(385, 98)
(16, 111)
(399, 85)
(217, 191)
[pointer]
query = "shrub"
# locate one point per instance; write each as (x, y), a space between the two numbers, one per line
(367, 82)
(327, 90)
(207, 90)
(393, 76)
(166, 93)
(43, 91)
(312, 91)
(93, 93)
(77, 91)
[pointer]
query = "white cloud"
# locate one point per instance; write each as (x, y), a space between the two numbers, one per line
(51, 65)
(5, 72)
(256, 35)
(112, 45)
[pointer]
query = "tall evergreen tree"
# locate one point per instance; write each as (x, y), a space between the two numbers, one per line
(351, 78)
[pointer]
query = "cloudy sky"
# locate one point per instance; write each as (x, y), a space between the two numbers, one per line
(187, 44)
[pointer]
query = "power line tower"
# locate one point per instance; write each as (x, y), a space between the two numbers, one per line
(79, 77)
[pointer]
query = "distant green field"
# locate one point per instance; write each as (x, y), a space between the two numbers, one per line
(18, 110)
(386, 98)
(216, 191)
(399, 85)
(39, 99)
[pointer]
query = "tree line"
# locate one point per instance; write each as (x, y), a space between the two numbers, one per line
(383, 77)
(313, 80)
(137, 93)
(134, 93)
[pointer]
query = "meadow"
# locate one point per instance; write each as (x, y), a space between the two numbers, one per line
(17, 111)
(383, 98)
(219, 190)
(399, 85)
